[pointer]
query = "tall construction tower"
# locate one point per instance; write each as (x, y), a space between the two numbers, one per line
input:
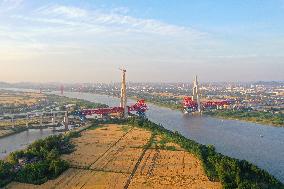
(195, 93)
(123, 97)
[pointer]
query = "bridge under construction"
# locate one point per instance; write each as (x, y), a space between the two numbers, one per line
(193, 104)
(140, 107)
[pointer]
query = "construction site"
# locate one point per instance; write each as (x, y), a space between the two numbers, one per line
(124, 156)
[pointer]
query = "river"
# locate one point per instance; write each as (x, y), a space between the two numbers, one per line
(261, 145)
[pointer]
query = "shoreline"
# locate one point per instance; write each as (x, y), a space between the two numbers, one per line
(244, 120)
(14, 132)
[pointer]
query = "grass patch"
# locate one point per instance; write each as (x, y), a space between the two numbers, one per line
(95, 126)
(125, 128)
(171, 148)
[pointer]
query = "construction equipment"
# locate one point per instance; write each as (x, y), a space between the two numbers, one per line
(140, 107)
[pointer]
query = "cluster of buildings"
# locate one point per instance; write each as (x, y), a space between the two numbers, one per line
(258, 96)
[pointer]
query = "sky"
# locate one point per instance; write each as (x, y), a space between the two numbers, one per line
(155, 40)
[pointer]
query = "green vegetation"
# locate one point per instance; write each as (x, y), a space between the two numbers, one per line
(125, 128)
(162, 143)
(6, 175)
(252, 116)
(232, 173)
(39, 162)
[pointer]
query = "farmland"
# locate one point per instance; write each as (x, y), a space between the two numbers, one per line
(122, 156)
(20, 98)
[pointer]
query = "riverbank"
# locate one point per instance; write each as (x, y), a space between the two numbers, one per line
(11, 131)
(253, 117)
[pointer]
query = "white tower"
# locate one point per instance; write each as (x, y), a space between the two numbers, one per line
(123, 97)
(195, 93)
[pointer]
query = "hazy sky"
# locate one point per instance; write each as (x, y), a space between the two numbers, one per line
(156, 40)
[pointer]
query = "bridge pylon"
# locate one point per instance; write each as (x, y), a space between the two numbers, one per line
(27, 121)
(123, 97)
(196, 93)
(66, 120)
(41, 120)
(13, 122)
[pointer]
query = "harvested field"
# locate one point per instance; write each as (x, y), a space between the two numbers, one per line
(118, 159)
(170, 169)
(113, 156)
(93, 144)
(18, 122)
(76, 178)
(20, 98)
(137, 138)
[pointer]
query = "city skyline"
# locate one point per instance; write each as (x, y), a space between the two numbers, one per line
(88, 41)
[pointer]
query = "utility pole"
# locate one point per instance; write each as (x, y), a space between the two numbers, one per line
(13, 121)
(123, 97)
(27, 121)
(41, 120)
